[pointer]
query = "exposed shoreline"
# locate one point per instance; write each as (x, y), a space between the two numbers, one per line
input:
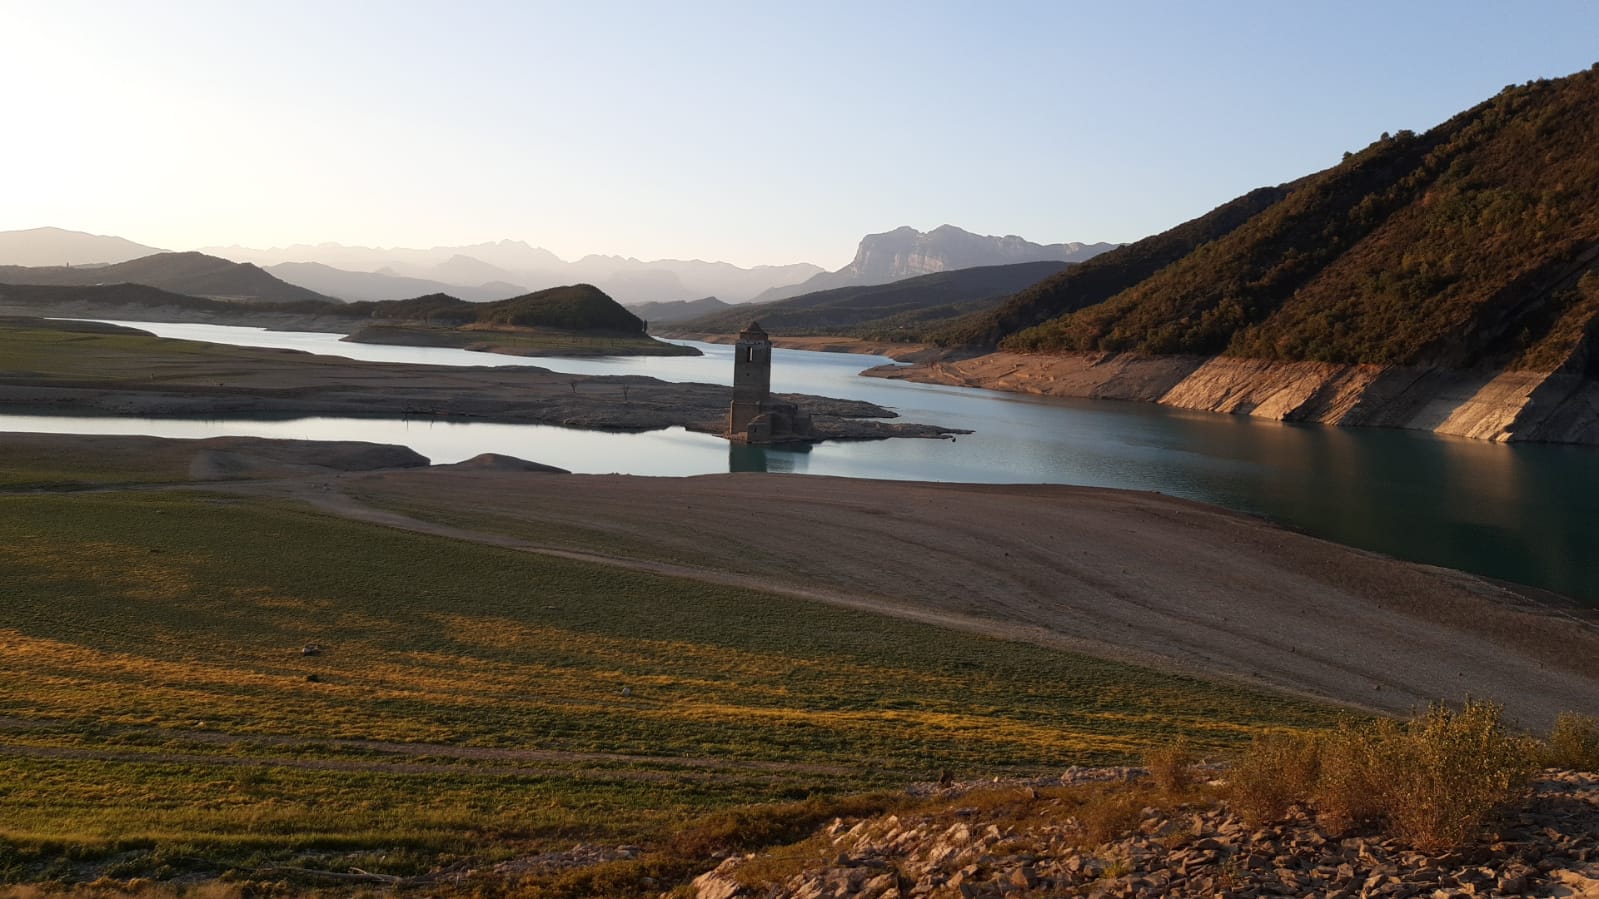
(172, 379)
(1498, 406)
(1136, 577)
(1485, 405)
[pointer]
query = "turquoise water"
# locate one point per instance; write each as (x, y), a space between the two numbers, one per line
(1523, 513)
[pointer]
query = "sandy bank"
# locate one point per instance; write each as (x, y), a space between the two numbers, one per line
(1486, 405)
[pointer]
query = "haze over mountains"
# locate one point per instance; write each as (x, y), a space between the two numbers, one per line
(60, 247)
(507, 267)
(905, 253)
(193, 274)
(895, 311)
(492, 271)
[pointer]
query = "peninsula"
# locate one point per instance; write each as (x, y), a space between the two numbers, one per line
(576, 320)
(88, 368)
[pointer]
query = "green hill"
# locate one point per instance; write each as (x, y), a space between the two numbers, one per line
(903, 309)
(194, 274)
(1103, 276)
(579, 307)
(1474, 245)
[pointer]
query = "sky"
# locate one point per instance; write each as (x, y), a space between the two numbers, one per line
(750, 132)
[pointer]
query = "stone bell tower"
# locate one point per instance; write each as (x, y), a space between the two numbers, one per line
(752, 379)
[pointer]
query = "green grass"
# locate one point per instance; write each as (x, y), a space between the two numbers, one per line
(150, 663)
(32, 463)
(38, 354)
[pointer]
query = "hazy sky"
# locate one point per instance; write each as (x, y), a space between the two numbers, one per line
(751, 132)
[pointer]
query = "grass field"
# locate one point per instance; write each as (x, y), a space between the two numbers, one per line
(158, 714)
(53, 353)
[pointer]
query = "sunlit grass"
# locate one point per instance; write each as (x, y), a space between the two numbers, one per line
(151, 669)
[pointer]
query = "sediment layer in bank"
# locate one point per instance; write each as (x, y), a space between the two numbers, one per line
(1501, 406)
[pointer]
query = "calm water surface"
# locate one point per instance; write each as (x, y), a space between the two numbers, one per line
(1525, 513)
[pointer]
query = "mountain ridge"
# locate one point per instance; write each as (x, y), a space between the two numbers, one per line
(626, 278)
(1445, 281)
(905, 252)
(190, 273)
(59, 247)
(897, 311)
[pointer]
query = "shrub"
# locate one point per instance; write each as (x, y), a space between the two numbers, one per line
(1450, 771)
(1573, 743)
(1432, 781)
(1111, 814)
(1171, 767)
(1354, 773)
(1276, 771)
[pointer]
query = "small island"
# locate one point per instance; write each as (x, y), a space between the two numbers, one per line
(578, 320)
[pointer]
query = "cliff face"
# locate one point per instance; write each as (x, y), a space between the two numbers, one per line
(905, 252)
(1501, 406)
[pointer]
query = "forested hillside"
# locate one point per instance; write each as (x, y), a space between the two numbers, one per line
(1472, 245)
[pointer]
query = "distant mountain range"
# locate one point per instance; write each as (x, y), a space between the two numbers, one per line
(59, 247)
(677, 310)
(478, 271)
(359, 286)
(507, 268)
(895, 311)
(192, 274)
(905, 253)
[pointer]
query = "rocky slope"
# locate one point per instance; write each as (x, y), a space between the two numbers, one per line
(1444, 281)
(1023, 839)
(1501, 406)
(905, 253)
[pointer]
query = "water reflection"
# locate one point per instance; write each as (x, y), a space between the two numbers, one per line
(792, 459)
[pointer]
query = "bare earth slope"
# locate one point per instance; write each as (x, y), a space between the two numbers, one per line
(1133, 576)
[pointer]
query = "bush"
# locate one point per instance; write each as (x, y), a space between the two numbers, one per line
(1276, 771)
(1432, 781)
(1450, 771)
(1111, 814)
(1171, 767)
(1573, 743)
(1354, 773)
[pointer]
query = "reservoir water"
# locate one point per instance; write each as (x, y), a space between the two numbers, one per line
(1523, 512)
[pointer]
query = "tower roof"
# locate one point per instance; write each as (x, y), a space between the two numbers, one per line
(753, 329)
